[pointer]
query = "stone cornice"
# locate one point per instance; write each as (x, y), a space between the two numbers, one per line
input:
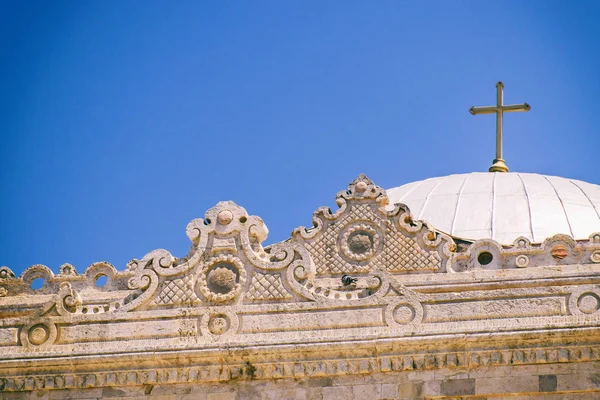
(257, 363)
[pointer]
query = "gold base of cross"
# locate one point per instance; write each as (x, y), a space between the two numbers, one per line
(498, 166)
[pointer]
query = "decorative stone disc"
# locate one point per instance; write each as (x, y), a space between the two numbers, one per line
(222, 278)
(359, 241)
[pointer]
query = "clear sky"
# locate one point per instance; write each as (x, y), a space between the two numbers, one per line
(123, 121)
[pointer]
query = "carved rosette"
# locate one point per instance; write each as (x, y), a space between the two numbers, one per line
(222, 279)
(218, 323)
(360, 241)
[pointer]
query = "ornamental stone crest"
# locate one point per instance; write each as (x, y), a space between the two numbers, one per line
(226, 265)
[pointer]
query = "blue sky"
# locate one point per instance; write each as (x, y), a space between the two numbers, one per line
(123, 121)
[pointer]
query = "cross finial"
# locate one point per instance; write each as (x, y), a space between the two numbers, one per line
(499, 109)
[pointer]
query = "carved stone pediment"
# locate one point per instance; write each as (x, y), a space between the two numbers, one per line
(365, 276)
(363, 235)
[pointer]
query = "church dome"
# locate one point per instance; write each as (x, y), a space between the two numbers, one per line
(503, 206)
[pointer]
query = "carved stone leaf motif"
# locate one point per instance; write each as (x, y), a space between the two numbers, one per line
(363, 235)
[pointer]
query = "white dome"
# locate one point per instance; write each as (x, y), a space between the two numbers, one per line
(504, 206)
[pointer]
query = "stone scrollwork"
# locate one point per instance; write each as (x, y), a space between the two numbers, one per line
(68, 300)
(226, 261)
(226, 249)
(6, 273)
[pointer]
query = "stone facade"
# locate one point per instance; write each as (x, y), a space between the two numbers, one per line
(368, 303)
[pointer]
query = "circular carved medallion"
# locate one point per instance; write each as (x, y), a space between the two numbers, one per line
(588, 303)
(361, 187)
(404, 314)
(359, 242)
(38, 334)
(522, 261)
(218, 324)
(222, 278)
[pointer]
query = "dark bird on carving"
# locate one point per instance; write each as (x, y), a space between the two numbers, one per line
(348, 280)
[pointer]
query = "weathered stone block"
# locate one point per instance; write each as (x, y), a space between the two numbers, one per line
(506, 385)
(287, 394)
(338, 392)
(389, 391)
(372, 391)
(547, 383)
(411, 390)
(457, 387)
(221, 396)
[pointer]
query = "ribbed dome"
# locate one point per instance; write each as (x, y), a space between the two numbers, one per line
(503, 206)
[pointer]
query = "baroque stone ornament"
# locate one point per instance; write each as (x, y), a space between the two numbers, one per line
(226, 247)
(363, 233)
(412, 299)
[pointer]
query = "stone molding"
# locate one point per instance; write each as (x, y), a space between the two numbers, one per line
(243, 366)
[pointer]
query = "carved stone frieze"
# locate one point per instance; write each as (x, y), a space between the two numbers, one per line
(559, 250)
(238, 369)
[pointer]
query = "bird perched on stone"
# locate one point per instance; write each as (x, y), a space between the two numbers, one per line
(348, 280)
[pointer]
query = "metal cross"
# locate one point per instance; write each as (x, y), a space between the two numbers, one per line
(499, 109)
